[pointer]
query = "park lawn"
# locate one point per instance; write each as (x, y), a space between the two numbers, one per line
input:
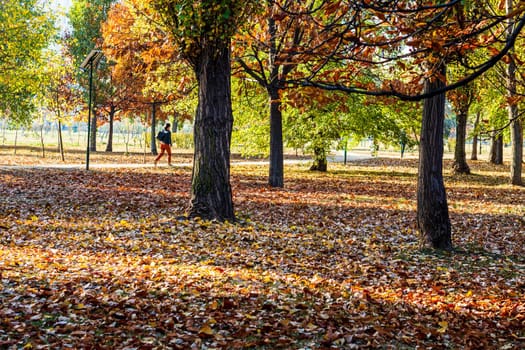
(25, 155)
(107, 259)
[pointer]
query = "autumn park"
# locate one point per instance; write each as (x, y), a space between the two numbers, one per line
(277, 174)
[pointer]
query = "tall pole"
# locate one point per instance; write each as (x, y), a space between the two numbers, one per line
(89, 112)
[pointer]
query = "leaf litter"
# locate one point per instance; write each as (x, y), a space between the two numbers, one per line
(107, 259)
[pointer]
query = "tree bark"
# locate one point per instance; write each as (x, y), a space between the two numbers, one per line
(42, 139)
(175, 123)
(211, 196)
(460, 165)
(516, 126)
(276, 172)
(496, 149)
(320, 162)
(109, 146)
(60, 140)
(153, 143)
(474, 154)
(516, 132)
(432, 208)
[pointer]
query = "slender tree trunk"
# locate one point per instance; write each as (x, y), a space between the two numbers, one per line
(460, 165)
(474, 154)
(42, 139)
(276, 174)
(175, 122)
(153, 143)
(320, 162)
(211, 195)
(4, 127)
(496, 149)
(432, 208)
(109, 147)
(16, 139)
(60, 140)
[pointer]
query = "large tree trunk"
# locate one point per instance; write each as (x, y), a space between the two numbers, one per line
(460, 165)
(211, 196)
(516, 126)
(320, 162)
(496, 149)
(153, 142)
(276, 175)
(109, 146)
(432, 208)
(516, 132)
(474, 154)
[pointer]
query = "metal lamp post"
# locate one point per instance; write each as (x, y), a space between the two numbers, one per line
(92, 60)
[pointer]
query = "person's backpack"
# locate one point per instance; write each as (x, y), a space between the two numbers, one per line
(159, 136)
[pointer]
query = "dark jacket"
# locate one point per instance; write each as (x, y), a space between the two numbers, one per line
(164, 136)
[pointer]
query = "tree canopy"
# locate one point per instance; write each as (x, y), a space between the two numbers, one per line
(26, 28)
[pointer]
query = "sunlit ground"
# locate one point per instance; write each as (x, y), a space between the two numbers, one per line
(107, 259)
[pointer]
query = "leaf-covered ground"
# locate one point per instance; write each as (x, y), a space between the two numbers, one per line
(105, 259)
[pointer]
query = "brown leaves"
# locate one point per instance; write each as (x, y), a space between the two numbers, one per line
(105, 258)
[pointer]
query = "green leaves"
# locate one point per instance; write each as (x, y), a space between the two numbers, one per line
(25, 30)
(198, 24)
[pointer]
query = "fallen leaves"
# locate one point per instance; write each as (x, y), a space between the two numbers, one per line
(107, 259)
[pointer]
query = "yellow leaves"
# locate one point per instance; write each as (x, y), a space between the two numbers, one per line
(206, 330)
(443, 327)
(284, 322)
(214, 305)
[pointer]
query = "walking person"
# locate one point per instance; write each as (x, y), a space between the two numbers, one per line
(164, 137)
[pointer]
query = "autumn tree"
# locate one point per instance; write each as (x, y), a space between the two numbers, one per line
(418, 41)
(272, 50)
(145, 67)
(86, 18)
(60, 94)
(202, 31)
(461, 100)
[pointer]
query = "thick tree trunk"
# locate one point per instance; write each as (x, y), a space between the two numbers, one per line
(320, 162)
(432, 208)
(460, 165)
(211, 196)
(516, 132)
(109, 146)
(93, 130)
(496, 149)
(276, 174)
(474, 154)
(516, 126)
(153, 142)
